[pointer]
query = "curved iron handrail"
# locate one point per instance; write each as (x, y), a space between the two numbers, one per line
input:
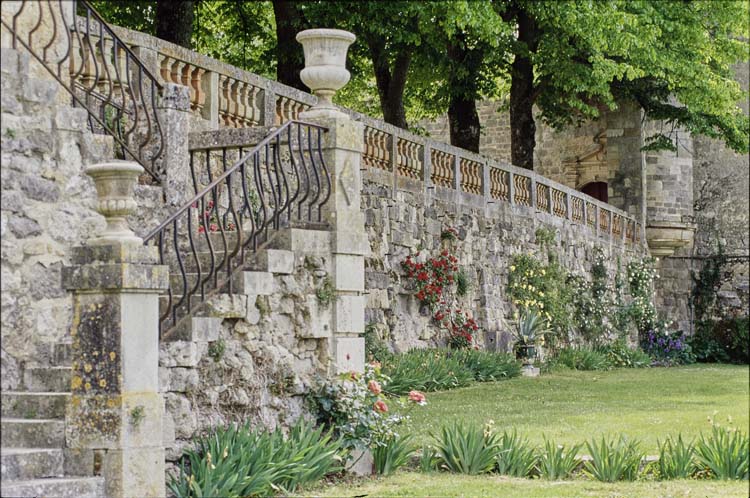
(207, 240)
(101, 73)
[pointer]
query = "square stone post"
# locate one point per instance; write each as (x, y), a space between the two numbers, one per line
(115, 409)
(342, 152)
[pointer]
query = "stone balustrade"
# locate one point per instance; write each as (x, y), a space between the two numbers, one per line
(226, 96)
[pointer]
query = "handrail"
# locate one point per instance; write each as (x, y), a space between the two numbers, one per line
(280, 180)
(98, 69)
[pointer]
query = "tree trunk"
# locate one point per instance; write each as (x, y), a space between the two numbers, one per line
(390, 83)
(290, 60)
(174, 21)
(463, 118)
(522, 126)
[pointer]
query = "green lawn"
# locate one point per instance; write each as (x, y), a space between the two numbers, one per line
(570, 406)
(454, 486)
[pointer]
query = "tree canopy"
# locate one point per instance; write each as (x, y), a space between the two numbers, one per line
(558, 61)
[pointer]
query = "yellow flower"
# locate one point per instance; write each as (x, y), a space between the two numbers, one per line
(512, 268)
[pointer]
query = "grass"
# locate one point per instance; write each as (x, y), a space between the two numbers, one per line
(443, 484)
(571, 406)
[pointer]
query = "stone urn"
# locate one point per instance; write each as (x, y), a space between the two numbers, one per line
(115, 182)
(325, 66)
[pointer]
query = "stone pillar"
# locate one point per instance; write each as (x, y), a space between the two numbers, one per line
(115, 409)
(174, 166)
(325, 72)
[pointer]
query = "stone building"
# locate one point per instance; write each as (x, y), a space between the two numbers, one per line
(179, 252)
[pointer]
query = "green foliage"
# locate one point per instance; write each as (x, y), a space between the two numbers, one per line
(676, 460)
(375, 347)
(543, 289)
(722, 341)
(216, 349)
(558, 462)
(581, 359)
(442, 369)
(613, 460)
(393, 454)
(514, 456)
(487, 366)
(545, 237)
(725, 452)
(425, 370)
(355, 409)
(593, 303)
(706, 286)
(530, 329)
(241, 461)
(466, 450)
(642, 312)
(325, 292)
(621, 356)
(137, 415)
(428, 460)
(463, 284)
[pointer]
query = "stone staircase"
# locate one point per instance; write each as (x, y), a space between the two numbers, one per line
(34, 459)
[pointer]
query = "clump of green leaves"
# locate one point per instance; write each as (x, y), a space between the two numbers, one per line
(613, 460)
(557, 461)
(242, 461)
(514, 456)
(325, 292)
(725, 452)
(581, 359)
(375, 347)
(466, 450)
(425, 370)
(487, 366)
(216, 349)
(392, 454)
(676, 460)
(463, 283)
(137, 414)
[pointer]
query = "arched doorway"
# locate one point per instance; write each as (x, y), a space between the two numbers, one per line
(597, 190)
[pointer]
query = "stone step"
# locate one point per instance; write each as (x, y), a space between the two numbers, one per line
(47, 379)
(36, 433)
(311, 240)
(30, 405)
(79, 487)
(23, 463)
(198, 328)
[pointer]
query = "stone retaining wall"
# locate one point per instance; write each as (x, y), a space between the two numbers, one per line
(489, 236)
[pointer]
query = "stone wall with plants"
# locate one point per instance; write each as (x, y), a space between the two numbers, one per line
(440, 265)
(256, 356)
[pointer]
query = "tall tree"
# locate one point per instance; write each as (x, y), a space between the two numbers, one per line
(174, 21)
(673, 57)
(290, 20)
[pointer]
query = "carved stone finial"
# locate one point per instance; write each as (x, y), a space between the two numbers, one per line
(115, 182)
(325, 67)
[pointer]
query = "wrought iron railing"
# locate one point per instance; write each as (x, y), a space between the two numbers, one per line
(243, 192)
(101, 73)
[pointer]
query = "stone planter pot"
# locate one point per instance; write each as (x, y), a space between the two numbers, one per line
(115, 182)
(526, 353)
(325, 63)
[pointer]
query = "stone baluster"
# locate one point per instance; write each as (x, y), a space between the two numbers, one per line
(224, 100)
(198, 96)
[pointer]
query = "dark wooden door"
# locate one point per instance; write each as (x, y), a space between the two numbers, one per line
(597, 190)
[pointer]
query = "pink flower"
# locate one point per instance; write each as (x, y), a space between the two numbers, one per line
(354, 375)
(374, 387)
(380, 406)
(375, 364)
(417, 397)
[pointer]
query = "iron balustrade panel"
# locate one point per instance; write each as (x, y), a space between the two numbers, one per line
(242, 193)
(101, 73)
